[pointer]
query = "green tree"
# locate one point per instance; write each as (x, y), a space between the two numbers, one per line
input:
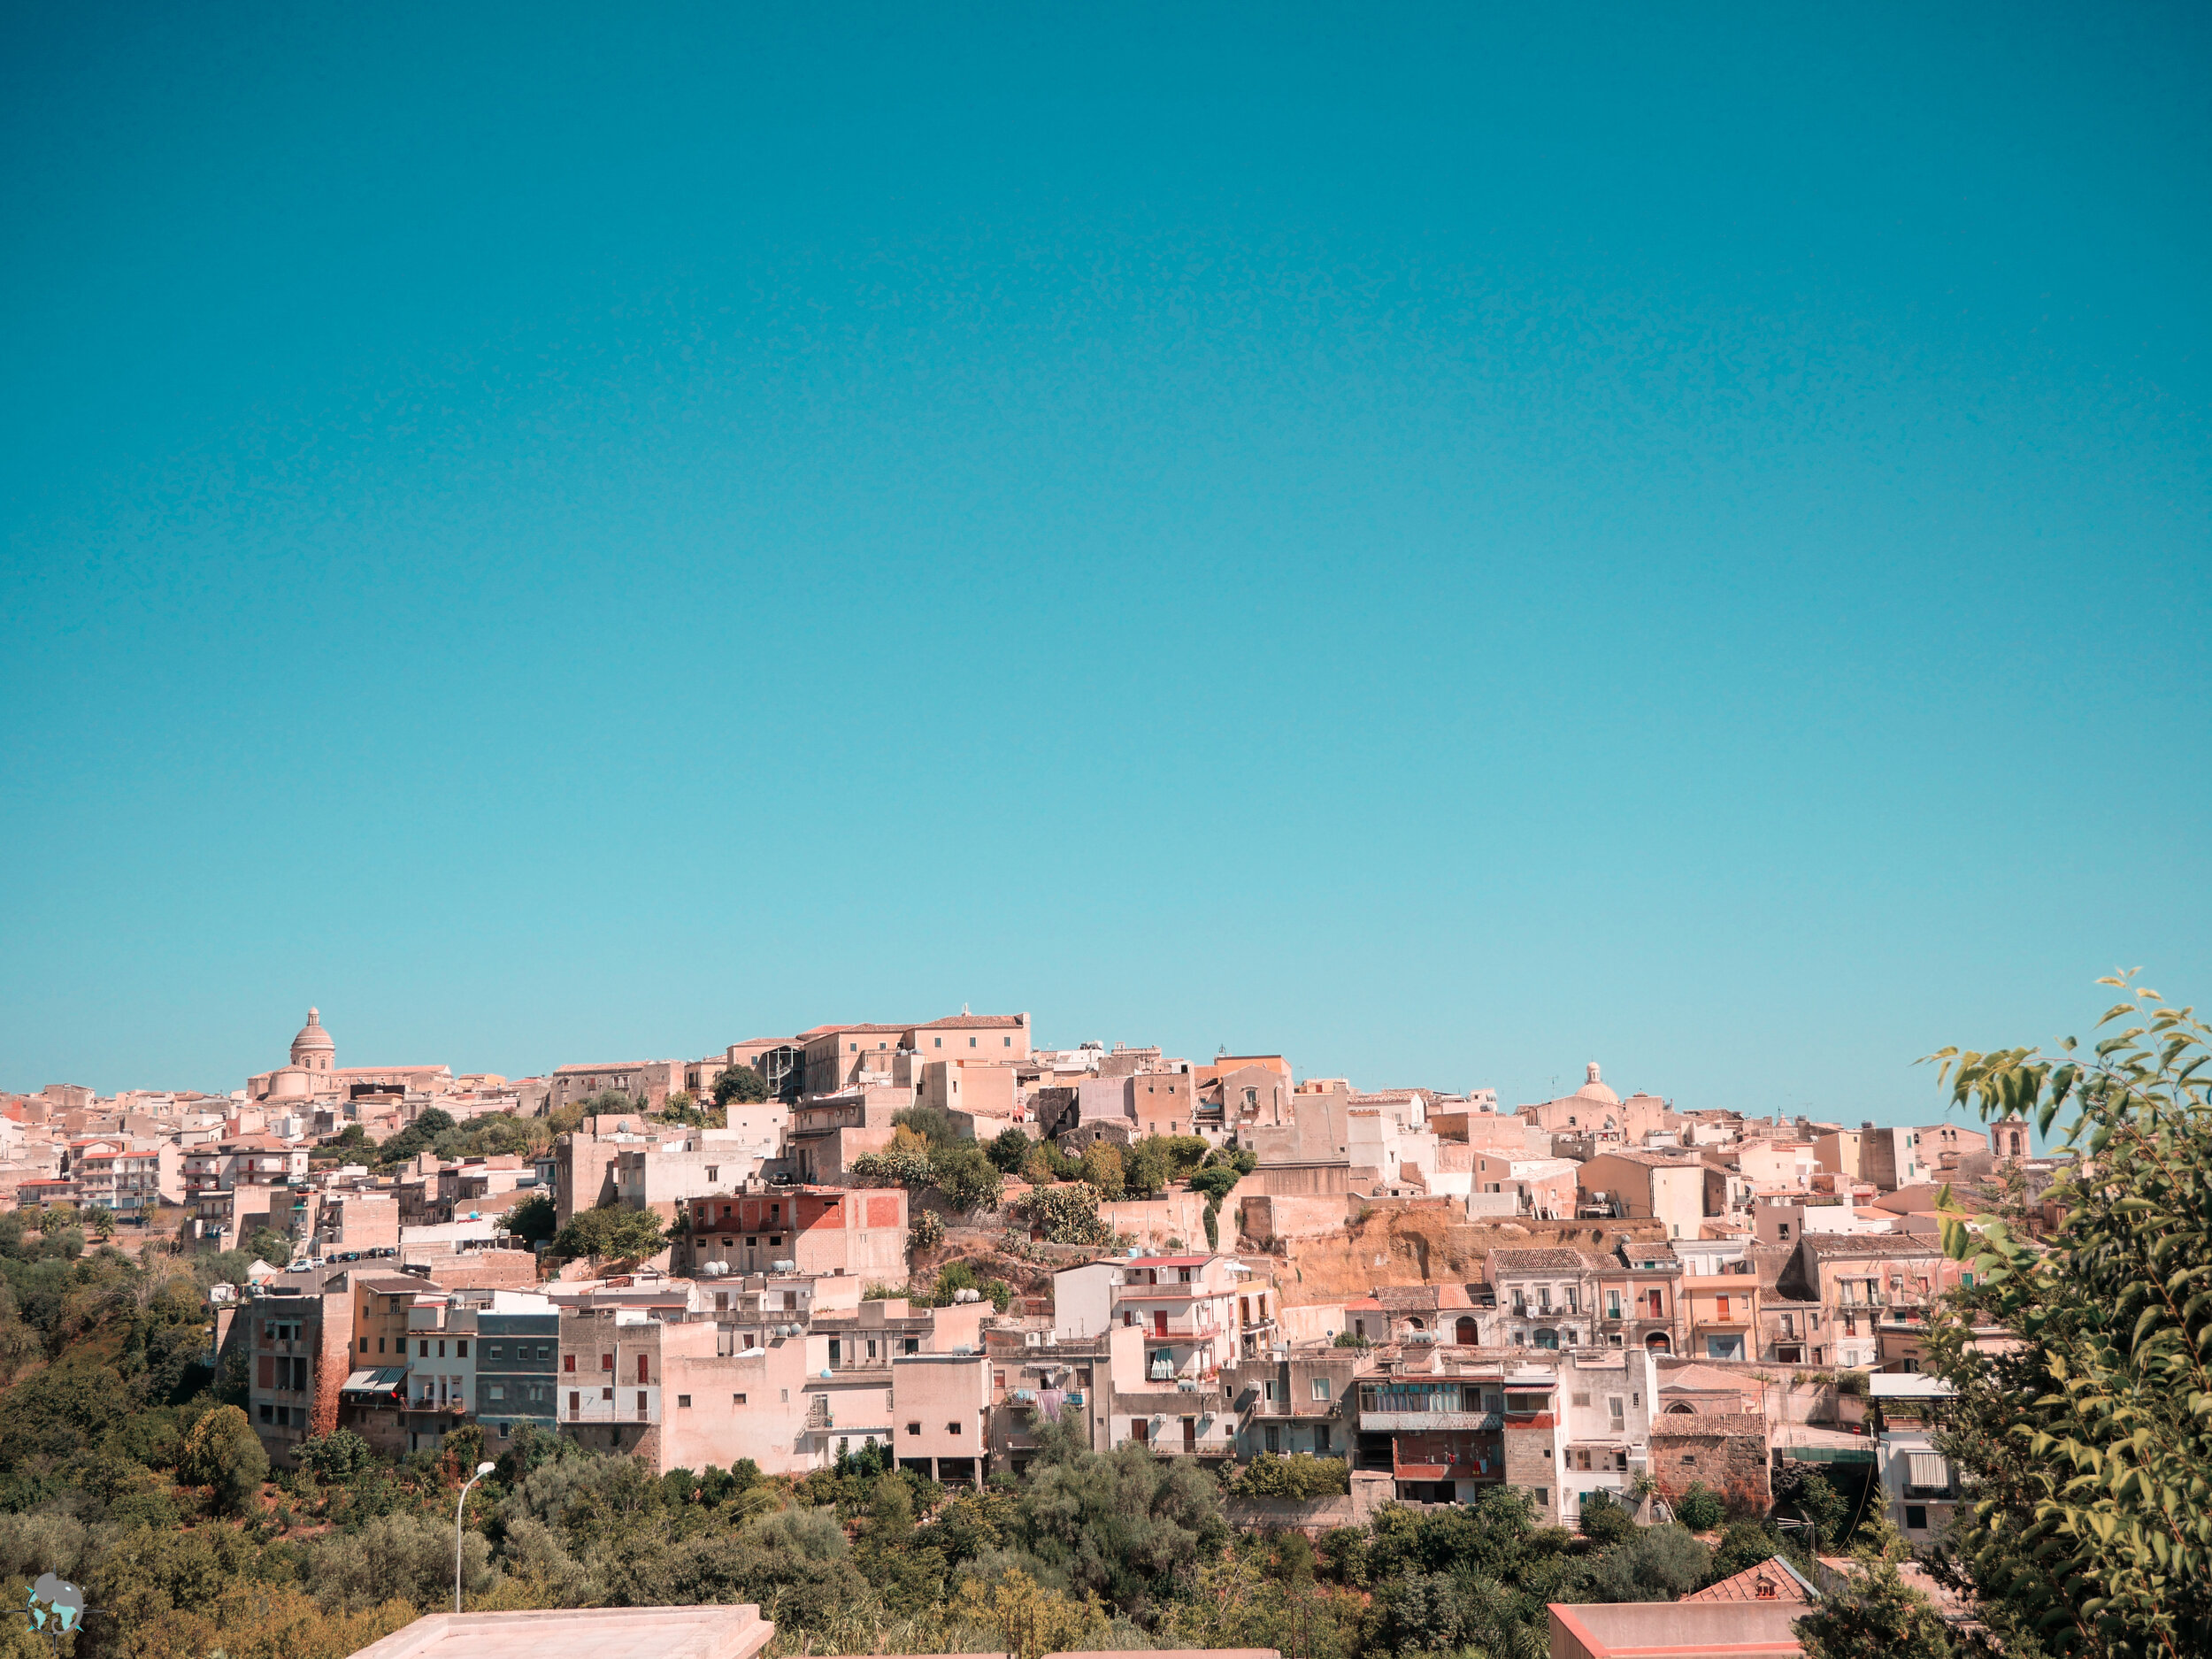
(1875, 1614)
(1699, 1507)
(1145, 1169)
(535, 1219)
(1102, 1170)
(896, 1165)
(338, 1455)
(741, 1083)
(1604, 1521)
(1299, 1476)
(1124, 1524)
(2088, 1520)
(1010, 1149)
(223, 1454)
(611, 1233)
(265, 1244)
(1655, 1564)
(1064, 1213)
(968, 1180)
(934, 1123)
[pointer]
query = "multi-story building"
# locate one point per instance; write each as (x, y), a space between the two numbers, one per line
(1037, 1379)
(1919, 1482)
(655, 1079)
(297, 1329)
(1637, 1183)
(1722, 1312)
(663, 1175)
(1545, 1295)
(817, 1230)
(517, 1365)
(1612, 1397)
(1298, 1401)
(1639, 1297)
(1856, 1280)
(941, 1409)
(827, 1132)
(128, 1180)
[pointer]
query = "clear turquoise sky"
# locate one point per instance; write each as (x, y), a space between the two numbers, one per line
(1447, 542)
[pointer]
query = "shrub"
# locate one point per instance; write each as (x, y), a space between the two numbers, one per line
(1605, 1521)
(337, 1455)
(1010, 1150)
(968, 1180)
(739, 1083)
(1700, 1509)
(1301, 1476)
(896, 1165)
(223, 1454)
(926, 1231)
(613, 1233)
(1064, 1214)
(535, 1219)
(1655, 1564)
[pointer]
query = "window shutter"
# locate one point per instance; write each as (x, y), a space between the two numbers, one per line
(1930, 1468)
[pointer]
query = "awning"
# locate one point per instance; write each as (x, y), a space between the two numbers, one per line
(389, 1380)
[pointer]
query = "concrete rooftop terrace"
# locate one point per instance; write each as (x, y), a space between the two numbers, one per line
(655, 1632)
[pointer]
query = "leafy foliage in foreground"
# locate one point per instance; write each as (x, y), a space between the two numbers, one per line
(2088, 1528)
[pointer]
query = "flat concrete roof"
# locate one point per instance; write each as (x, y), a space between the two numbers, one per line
(665, 1633)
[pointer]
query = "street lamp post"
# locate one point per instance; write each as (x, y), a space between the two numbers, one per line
(482, 1471)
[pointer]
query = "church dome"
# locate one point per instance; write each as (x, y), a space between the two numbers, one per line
(313, 1039)
(1594, 1090)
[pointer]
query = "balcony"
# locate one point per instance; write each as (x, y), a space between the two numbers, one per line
(1428, 1421)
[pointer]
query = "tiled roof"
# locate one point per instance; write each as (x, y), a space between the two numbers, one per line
(1420, 1298)
(1538, 1260)
(1869, 1244)
(970, 1022)
(1771, 1580)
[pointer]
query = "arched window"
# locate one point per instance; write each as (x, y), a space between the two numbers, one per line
(1464, 1332)
(1678, 1410)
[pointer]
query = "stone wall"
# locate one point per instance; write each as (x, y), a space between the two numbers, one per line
(1269, 1216)
(1728, 1454)
(1529, 1466)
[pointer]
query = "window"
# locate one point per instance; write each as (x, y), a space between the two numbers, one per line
(365, 1345)
(1274, 1439)
(737, 1399)
(913, 1428)
(461, 1349)
(498, 1351)
(786, 1393)
(952, 1428)
(1321, 1388)
(267, 1416)
(496, 1392)
(1916, 1517)
(1930, 1470)
(425, 1353)
(606, 1361)
(568, 1362)
(441, 1347)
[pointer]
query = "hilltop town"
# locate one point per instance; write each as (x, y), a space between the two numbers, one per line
(924, 1239)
